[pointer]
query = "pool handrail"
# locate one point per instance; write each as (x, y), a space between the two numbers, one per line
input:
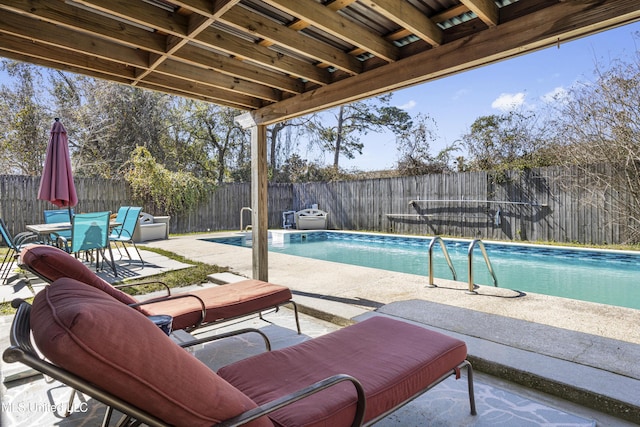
(435, 240)
(473, 244)
(246, 208)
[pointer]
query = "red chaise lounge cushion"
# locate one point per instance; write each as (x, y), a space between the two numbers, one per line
(52, 263)
(88, 333)
(393, 360)
(224, 302)
(221, 302)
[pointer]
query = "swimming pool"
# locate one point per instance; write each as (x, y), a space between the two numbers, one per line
(608, 277)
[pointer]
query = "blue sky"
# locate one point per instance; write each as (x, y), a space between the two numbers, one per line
(455, 102)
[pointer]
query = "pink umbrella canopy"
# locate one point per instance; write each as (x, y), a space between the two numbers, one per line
(56, 184)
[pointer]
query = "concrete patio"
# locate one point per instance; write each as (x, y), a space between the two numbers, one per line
(518, 346)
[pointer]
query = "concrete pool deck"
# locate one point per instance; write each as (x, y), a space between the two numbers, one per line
(531, 369)
(585, 352)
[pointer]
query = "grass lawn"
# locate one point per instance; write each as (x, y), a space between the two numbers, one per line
(174, 279)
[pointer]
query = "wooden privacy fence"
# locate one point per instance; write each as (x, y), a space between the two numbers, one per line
(19, 205)
(535, 205)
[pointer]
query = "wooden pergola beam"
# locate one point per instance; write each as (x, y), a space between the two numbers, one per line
(408, 17)
(259, 196)
(547, 27)
(327, 20)
(487, 10)
(292, 39)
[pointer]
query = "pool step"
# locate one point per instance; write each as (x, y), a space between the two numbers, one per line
(596, 372)
(323, 307)
(226, 277)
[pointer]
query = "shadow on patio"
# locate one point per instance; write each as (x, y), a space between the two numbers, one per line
(30, 399)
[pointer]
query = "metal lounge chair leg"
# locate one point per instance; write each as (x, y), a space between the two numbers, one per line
(70, 403)
(295, 312)
(472, 399)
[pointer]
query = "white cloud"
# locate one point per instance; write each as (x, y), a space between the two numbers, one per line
(460, 93)
(558, 94)
(408, 105)
(508, 101)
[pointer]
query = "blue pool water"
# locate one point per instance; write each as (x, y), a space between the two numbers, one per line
(608, 277)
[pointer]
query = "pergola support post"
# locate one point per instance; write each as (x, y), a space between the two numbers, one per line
(259, 196)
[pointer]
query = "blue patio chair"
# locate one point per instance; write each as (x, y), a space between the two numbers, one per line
(90, 233)
(54, 216)
(120, 218)
(14, 245)
(124, 233)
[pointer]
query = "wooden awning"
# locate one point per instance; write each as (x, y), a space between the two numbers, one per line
(285, 58)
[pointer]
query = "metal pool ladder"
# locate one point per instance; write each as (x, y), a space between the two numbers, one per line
(446, 257)
(241, 212)
(470, 264)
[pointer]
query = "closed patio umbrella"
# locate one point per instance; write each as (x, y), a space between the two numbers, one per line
(57, 184)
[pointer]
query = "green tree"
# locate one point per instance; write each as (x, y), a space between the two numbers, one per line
(214, 128)
(183, 150)
(342, 134)
(164, 191)
(294, 169)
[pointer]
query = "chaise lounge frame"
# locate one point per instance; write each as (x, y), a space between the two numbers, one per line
(50, 263)
(22, 350)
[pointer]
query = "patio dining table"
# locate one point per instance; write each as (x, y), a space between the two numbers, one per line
(44, 229)
(54, 228)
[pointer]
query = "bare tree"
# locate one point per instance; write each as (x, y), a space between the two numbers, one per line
(107, 121)
(598, 130)
(25, 121)
(414, 147)
(283, 139)
(514, 140)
